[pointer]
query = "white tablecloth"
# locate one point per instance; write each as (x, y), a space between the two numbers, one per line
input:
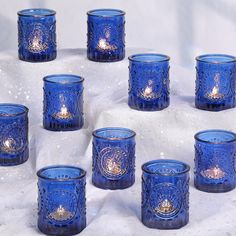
(166, 134)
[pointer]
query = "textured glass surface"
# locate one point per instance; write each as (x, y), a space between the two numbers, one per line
(148, 82)
(37, 35)
(113, 158)
(13, 134)
(106, 35)
(215, 152)
(165, 194)
(61, 200)
(215, 82)
(63, 102)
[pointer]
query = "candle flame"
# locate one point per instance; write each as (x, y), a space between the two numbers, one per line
(148, 91)
(64, 111)
(215, 90)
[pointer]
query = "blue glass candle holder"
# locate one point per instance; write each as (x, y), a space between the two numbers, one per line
(113, 158)
(215, 152)
(149, 82)
(61, 200)
(106, 35)
(14, 148)
(63, 102)
(165, 194)
(215, 82)
(37, 35)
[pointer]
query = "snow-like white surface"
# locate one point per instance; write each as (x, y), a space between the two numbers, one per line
(166, 134)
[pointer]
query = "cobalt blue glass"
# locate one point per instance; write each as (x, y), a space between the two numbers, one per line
(63, 102)
(106, 35)
(61, 200)
(14, 148)
(165, 194)
(215, 82)
(37, 35)
(113, 158)
(215, 153)
(149, 82)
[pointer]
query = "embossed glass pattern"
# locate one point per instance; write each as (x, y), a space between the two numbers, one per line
(113, 158)
(148, 82)
(215, 82)
(61, 200)
(13, 134)
(106, 35)
(63, 102)
(37, 35)
(215, 153)
(165, 194)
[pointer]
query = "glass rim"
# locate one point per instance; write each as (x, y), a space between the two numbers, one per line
(23, 12)
(96, 135)
(80, 78)
(201, 58)
(14, 105)
(165, 57)
(196, 136)
(40, 172)
(118, 11)
(163, 161)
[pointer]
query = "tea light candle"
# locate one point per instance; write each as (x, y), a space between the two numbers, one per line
(214, 161)
(37, 35)
(165, 194)
(106, 33)
(61, 200)
(13, 134)
(113, 158)
(63, 102)
(215, 82)
(148, 82)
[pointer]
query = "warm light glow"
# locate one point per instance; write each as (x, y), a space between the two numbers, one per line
(36, 43)
(165, 207)
(213, 173)
(64, 113)
(215, 93)
(61, 214)
(60, 210)
(8, 145)
(104, 45)
(113, 167)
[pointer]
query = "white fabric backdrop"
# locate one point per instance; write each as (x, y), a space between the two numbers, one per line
(181, 29)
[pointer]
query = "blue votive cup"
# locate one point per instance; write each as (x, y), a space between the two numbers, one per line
(149, 82)
(113, 158)
(215, 82)
(106, 35)
(61, 200)
(215, 152)
(37, 35)
(14, 148)
(165, 194)
(63, 102)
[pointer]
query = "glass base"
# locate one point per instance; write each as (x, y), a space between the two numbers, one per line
(14, 161)
(142, 106)
(214, 188)
(113, 184)
(61, 231)
(62, 127)
(165, 224)
(38, 57)
(105, 57)
(213, 107)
